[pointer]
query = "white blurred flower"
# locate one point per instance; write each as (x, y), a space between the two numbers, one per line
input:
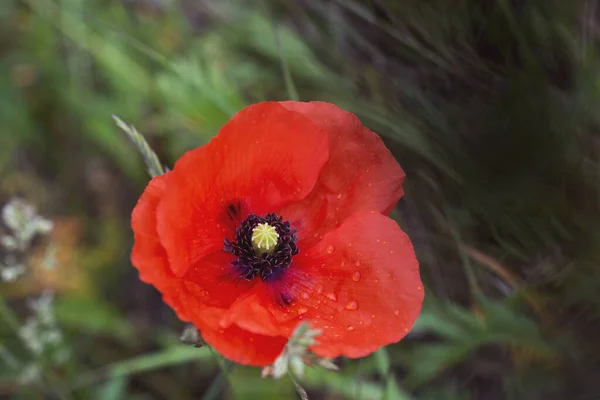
(40, 331)
(8, 242)
(30, 374)
(10, 273)
(24, 223)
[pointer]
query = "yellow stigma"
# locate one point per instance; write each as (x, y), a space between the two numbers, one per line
(264, 238)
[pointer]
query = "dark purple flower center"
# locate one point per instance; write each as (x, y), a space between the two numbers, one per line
(251, 263)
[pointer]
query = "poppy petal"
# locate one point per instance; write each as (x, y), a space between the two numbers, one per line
(361, 174)
(264, 158)
(360, 285)
(238, 344)
(249, 313)
(148, 255)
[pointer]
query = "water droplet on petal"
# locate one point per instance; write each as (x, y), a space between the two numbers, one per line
(339, 196)
(320, 289)
(358, 263)
(330, 249)
(350, 328)
(397, 312)
(331, 296)
(376, 280)
(356, 276)
(370, 184)
(391, 251)
(352, 305)
(304, 295)
(302, 310)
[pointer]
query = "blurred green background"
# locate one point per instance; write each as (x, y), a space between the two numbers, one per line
(491, 107)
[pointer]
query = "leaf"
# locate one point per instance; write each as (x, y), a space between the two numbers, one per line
(246, 384)
(165, 358)
(346, 386)
(427, 361)
(92, 315)
(392, 390)
(112, 390)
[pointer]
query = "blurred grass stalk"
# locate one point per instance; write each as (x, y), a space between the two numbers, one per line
(153, 165)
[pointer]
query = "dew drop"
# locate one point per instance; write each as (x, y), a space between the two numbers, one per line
(352, 305)
(342, 264)
(330, 249)
(370, 184)
(358, 263)
(339, 196)
(302, 310)
(356, 276)
(391, 251)
(397, 312)
(419, 287)
(331, 296)
(376, 281)
(304, 295)
(320, 289)
(350, 328)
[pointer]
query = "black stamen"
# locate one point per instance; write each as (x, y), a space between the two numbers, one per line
(233, 210)
(286, 298)
(268, 266)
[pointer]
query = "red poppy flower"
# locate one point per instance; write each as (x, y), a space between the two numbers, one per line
(280, 219)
